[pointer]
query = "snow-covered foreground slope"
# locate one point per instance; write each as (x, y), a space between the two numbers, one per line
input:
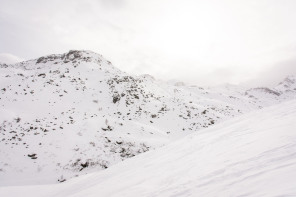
(251, 155)
(69, 114)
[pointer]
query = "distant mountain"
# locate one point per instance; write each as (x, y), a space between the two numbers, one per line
(69, 114)
(287, 85)
(285, 90)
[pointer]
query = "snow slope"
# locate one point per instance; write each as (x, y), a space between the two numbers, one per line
(69, 114)
(251, 155)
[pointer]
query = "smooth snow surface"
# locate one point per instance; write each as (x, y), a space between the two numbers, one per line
(251, 155)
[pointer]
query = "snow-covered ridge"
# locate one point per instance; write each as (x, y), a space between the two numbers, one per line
(69, 114)
(73, 57)
(288, 84)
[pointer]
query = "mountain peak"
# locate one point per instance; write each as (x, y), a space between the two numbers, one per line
(72, 55)
(288, 84)
(73, 58)
(290, 79)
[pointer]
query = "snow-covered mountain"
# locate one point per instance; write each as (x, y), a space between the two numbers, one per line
(69, 114)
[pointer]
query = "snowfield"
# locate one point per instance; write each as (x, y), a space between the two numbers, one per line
(251, 155)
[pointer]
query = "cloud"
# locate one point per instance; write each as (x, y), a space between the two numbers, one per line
(9, 58)
(199, 42)
(275, 74)
(113, 3)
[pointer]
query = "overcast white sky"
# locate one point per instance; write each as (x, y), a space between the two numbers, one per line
(203, 42)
